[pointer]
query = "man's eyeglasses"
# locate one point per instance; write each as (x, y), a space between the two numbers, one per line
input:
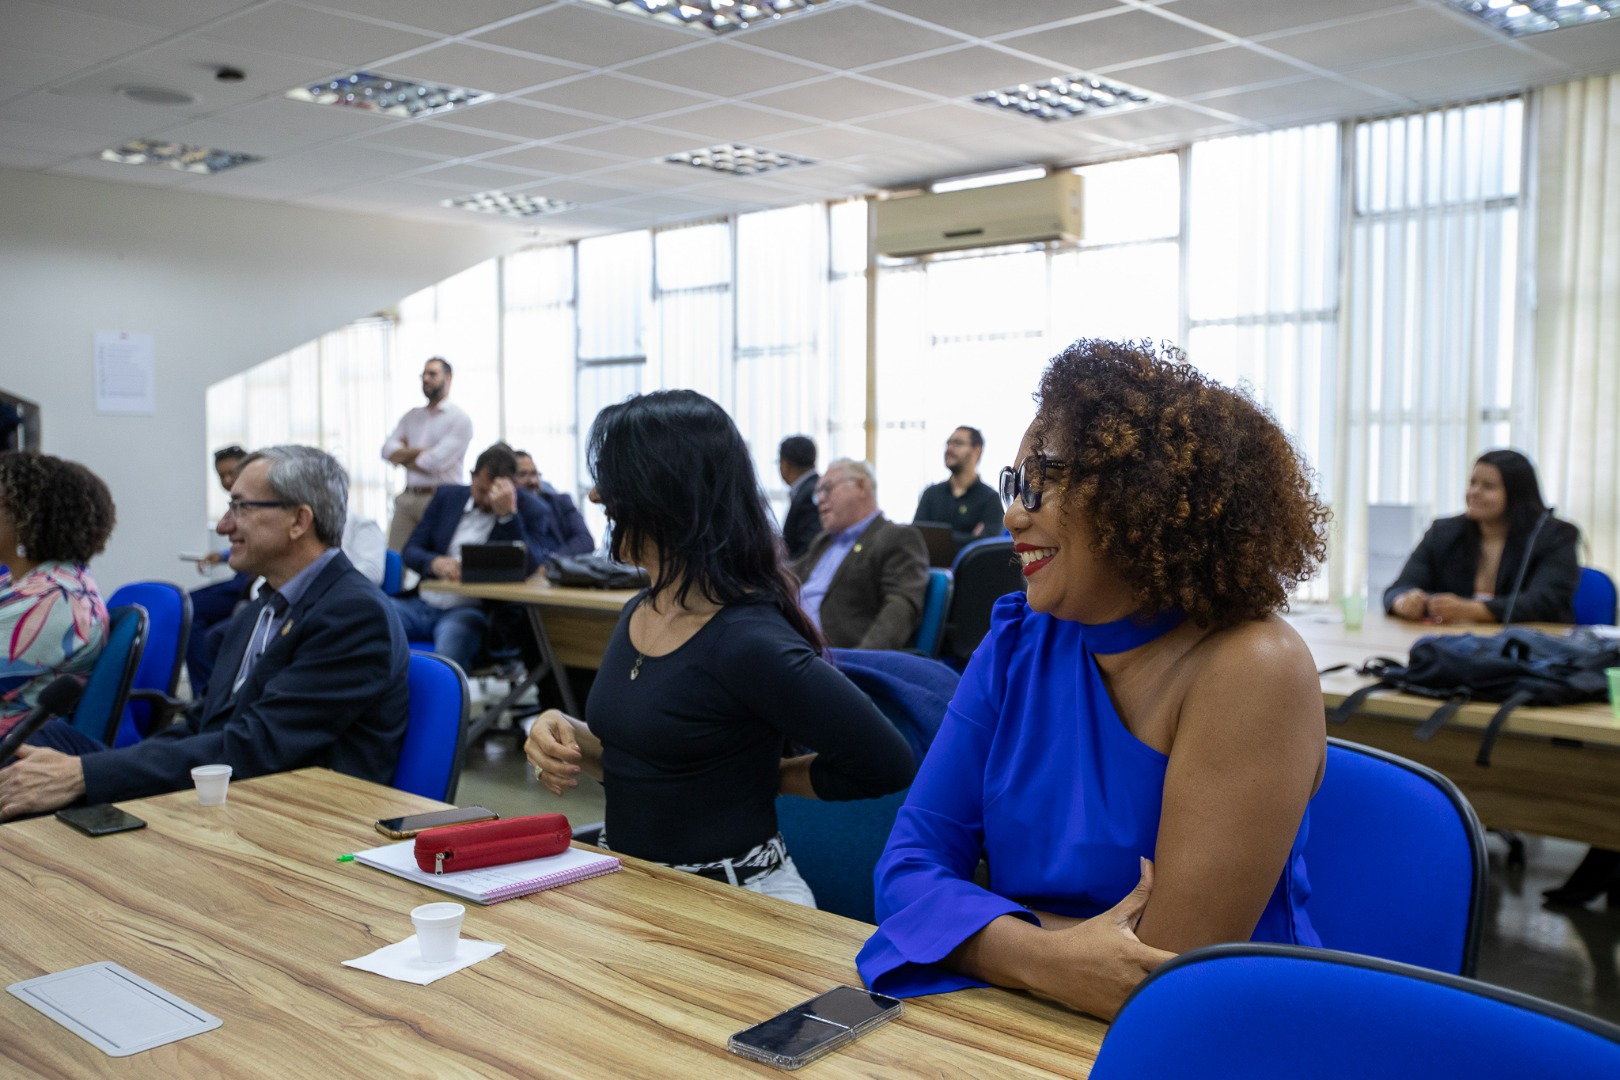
(236, 506)
(1026, 482)
(826, 486)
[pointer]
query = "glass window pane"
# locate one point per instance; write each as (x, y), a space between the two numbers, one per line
(1136, 199)
(615, 288)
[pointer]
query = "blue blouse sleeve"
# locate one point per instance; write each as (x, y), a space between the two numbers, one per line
(927, 903)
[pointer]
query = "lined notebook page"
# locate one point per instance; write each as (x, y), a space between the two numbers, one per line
(492, 884)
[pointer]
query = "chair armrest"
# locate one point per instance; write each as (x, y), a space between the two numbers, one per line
(165, 707)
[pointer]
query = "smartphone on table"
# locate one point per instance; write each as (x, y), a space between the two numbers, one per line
(406, 828)
(811, 1029)
(99, 820)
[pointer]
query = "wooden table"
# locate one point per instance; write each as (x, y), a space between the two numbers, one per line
(242, 911)
(1554, 771)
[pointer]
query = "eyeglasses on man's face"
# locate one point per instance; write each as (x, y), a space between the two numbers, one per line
(826, 486)
(236, 506)
(1026, 482)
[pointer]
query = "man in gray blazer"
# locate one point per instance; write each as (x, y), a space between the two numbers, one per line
(864, 576)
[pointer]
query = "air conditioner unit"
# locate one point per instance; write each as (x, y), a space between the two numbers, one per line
(1026, 212)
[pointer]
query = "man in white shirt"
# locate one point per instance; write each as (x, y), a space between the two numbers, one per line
(431, 442)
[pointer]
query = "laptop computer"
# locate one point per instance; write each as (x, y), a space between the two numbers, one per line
(941, 544)
(484, 563)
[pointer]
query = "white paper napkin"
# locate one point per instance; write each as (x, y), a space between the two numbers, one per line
(403, 961)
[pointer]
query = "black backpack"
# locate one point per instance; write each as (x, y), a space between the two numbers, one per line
(1515, 667)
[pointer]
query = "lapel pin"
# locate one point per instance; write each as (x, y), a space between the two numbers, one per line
(286, 626)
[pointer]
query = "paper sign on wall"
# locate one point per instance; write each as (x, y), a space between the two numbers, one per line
(124, 380)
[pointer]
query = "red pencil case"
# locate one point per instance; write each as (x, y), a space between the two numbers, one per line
(491, 843)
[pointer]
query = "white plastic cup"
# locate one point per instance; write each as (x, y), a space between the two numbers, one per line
(212, 782)
(438, 931)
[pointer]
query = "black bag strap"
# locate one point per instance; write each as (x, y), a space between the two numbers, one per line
(1342, 711)
(1440, 717)
(1494, 728)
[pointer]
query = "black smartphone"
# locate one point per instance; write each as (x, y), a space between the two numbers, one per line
(99, 820)
(793, 1039)
(405, 828)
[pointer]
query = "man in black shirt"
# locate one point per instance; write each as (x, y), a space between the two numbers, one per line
(796, 461)
(964, 502)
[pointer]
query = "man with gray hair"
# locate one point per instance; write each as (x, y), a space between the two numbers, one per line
(864, 576)
(313, 672)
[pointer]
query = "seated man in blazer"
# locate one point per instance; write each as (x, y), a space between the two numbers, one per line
(490, 511)
(573, 535)
(864, 576)
(311, 672)
(796, 462)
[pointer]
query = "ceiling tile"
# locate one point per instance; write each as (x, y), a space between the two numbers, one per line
(1312, 97)
(1134, 125)
(1111, 40)
(16, 157)
(1404, 33)
(253, 139)
(1465, 73)
(1592, 49)
(111, 117)
(437, 16)
(30, 67)
(474, 67)
(825, 144)
(583, 192)
(73, 33)
(838, 98)
(146, 175)
(519, 120)
(348, 44)
(468, 177)
(49, 137)
(972, 69)
(553, 159)
(592, 36)
(425, 137)
(282, 116)
(631, 141)
(1000, 17)
(188, 65)
(724, 68)
(945, 121)
(1217, 69)
(647, 177)
(731, 123)
(615, 97)
(1246, 18)
(847, 36)
(168, 14)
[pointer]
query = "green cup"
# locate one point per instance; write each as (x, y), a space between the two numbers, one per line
(1614, 690)
(1355, 609)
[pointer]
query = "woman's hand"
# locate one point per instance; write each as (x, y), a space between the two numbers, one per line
(1412, 605)
(793, 777)
(1094, 965)
(553, 749)
(1450, 608)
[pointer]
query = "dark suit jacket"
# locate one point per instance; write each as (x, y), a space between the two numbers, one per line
(1447, 557)
(329, 690)
(802, 524)
(875, 598)
(532, 524)
(573, 535)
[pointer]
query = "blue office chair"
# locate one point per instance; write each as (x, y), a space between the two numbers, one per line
(393, 573)
(1595, 598)
(1396, 861)
(984, 572)
(936, 602)
(836, 845)
(107, 689)
(1242, 1011)
(436, 735)
(151, 697)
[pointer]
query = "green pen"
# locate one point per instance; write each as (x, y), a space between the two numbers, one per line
(345, 858)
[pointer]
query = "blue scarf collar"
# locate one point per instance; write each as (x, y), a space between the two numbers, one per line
(1131, 632)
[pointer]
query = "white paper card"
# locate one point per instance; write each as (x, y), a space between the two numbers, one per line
(113, 1009)
(403, 960)
(124, 379)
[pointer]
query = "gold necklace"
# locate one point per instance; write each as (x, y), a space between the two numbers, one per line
(635, 669)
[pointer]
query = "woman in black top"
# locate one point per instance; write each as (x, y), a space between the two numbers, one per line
(1505, 557)
(713, 672)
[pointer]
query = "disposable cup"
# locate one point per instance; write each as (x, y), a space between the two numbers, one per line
(1355, 609)
(1614, 690)
(212, 782)
(438, 931)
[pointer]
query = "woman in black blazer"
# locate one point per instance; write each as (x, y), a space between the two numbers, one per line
(1505, 557)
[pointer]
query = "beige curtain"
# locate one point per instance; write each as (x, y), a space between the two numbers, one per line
(1577, 322)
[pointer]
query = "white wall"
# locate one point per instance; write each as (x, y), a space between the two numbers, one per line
(221, 284)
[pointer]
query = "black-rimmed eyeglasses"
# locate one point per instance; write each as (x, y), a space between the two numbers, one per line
(236, 506)
(1026, 482)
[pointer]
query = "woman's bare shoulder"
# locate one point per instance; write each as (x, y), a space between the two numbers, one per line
(1255, 660)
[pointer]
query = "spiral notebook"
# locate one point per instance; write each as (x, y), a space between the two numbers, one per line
(492, 884)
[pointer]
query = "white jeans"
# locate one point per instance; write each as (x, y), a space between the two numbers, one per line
(784, 883)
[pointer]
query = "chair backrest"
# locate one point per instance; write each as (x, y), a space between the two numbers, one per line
(393, 572)
(1250, 1010)
(168, 627)
(1396, 861)
(107, 689)
(936, 602)
(435, 738)
(985, 571)
(836, 845)
(1595, 598)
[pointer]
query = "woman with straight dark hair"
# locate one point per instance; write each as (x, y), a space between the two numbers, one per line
(1506, 557)
(713, 671)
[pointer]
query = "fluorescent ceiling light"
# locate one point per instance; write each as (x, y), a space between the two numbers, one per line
(508, 205)
(1006, 176)
(1062, 98)
(388, 96)
(1519, 17)
(717, 16)
(173, 155)
(740, 160)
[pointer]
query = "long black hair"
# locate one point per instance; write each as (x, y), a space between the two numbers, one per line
(1524, 504)
(676, 478)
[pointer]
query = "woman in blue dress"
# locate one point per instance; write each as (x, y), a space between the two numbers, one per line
(1132, 747)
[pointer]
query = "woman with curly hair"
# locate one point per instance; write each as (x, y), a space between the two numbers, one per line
(55, 516)
(1132, 747)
